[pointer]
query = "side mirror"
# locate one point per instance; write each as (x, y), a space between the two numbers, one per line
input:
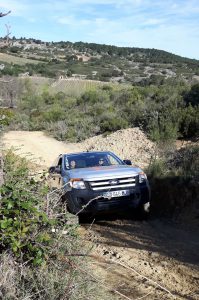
(54, 169)
(127, 162)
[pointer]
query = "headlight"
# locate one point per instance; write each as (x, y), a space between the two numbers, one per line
(77, 183)
(142, 177)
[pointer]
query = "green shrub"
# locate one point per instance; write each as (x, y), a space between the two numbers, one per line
(157, 168)
(93, 96)
(112, 124)
(20, 122)
(23, 224)
(6, 116)
(162, 129)
(171, 194)
(159, 111)
(35, 262)
(54, 114)
(189, 123)
(192, 97)
(174, 181)
(186, 163)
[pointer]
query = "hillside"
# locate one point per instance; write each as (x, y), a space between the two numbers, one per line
(11, 59)
(78, 90)
(95, 62)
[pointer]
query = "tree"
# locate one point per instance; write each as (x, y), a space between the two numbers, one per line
(7, 28)
(4, 14)
(10, 89)
(192, 97)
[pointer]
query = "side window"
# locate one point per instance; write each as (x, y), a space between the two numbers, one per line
(66, 163)
(112, 160)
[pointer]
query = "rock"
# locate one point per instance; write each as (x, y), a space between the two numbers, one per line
(105, 252)
(129, 143)
(164, 264)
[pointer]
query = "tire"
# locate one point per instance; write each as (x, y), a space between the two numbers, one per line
(85, 218)
(72, 205)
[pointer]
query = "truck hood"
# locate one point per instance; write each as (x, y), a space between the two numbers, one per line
(109, 172)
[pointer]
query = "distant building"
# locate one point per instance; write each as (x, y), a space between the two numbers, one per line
(26, 74)
(78, 76)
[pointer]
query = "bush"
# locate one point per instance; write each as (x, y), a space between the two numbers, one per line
(6, 116)
(159, 111)
(171, 194)
(112, 124)
(157, 168)
(189, 123)
(23, 224)
(192, 97)
(36, 263)
(54, 114)
(186, 163)
(174, 181)
(163, 128)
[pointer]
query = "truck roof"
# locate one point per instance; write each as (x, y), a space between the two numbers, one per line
(85, 152)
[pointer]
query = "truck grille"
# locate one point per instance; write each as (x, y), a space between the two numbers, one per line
(114, 183)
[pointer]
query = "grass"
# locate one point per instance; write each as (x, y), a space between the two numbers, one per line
(71, 87)
(74, 87)
(87, 68)
(16, 60)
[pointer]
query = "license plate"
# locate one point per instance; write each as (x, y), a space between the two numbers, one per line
(116, 194)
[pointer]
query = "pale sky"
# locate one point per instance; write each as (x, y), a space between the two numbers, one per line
(171, 25)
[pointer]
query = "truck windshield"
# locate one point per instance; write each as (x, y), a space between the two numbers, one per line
(89, 160)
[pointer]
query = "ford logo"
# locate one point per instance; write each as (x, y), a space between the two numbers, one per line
(113, 182)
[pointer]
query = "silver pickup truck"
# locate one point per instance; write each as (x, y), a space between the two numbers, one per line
(96, 182)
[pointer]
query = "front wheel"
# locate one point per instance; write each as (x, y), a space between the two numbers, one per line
(86, 218)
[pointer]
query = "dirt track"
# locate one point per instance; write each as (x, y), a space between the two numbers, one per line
(163, 252)
(36, 146)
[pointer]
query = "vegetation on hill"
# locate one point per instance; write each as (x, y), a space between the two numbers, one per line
(164, 112)
(142, 54)
(95, 61)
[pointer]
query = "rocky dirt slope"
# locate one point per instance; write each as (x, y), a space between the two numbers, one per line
(129, 143)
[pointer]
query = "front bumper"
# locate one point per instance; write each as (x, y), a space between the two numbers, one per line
(94, 202)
